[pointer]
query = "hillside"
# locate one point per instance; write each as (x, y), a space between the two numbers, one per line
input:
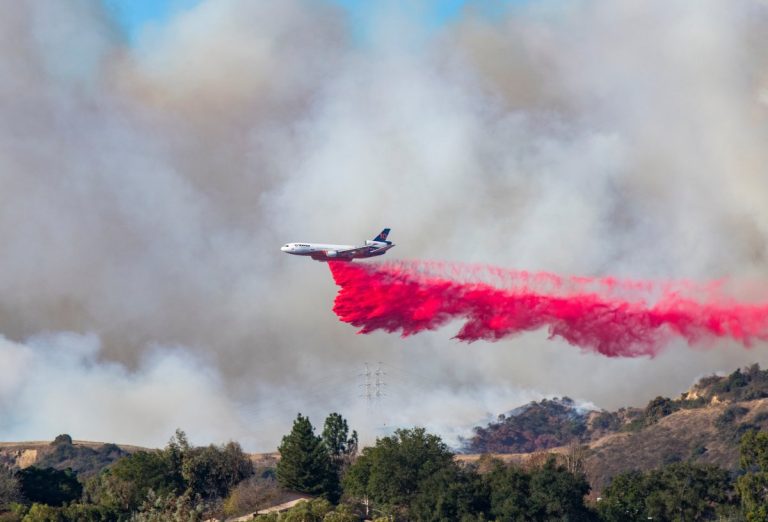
(703, 425)
(83, 457)
(533, 427)
(707, 435)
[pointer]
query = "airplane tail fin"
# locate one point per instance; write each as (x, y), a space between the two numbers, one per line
(383, 235)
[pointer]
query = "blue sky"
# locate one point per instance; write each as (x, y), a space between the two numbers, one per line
(132, 15)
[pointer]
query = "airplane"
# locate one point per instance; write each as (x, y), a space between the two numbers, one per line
(321, 252)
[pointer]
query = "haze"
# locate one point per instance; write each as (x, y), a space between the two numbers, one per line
(147, 188)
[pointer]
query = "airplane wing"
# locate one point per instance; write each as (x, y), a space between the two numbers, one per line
(352, 251)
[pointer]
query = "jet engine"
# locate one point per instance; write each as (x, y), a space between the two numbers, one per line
(331, 253)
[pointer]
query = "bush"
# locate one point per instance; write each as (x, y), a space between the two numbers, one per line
(62, 439)
(730, 415)
(49, 486)
(658, 408)
(606, 421)
(186, 508)
(698, 450)
(252, 494)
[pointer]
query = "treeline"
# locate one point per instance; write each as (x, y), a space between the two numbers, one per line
(413, 475)
(178, 482)
(410, 475)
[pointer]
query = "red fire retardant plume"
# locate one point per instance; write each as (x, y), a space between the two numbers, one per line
(615, 318)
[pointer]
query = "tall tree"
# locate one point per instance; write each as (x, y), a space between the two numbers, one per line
(305, 464)
(341, 446)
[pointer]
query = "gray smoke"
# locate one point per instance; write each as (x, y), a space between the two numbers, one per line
(146, 190)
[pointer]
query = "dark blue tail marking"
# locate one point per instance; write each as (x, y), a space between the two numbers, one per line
(383, 235)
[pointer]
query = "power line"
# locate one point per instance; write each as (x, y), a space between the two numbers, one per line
(380, 384)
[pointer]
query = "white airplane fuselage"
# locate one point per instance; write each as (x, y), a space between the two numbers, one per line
(330, 252)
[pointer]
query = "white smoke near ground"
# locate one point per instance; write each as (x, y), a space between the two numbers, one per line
(58, 381)
(146, 190)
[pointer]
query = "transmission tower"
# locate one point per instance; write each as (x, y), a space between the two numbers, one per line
(366, 385)
(379, 384)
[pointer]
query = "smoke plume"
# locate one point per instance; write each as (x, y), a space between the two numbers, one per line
(147, 185)
(611, 317)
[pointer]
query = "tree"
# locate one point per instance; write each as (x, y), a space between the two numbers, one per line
(209, 472)
(49, 486)
(252, 494)
(450, 494)
(624, 498)
(509, 492)
(753, 485)
(127, 483)
(575, 458)
(177, 447)
(658, 408)
(10, 489)
(64, 439)
(305, 464)
(341, 447)
(43, 513)
(391, 472)
(212, 472)
(557, 494)
(678, 492)
(685, 491)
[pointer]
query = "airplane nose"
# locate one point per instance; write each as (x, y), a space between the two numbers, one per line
(284, 249)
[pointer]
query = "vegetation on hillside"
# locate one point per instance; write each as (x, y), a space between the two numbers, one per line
(534, 427)
(413, 475)
(753, 485)
(557, 422)
(82, 459)
(146, 485)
